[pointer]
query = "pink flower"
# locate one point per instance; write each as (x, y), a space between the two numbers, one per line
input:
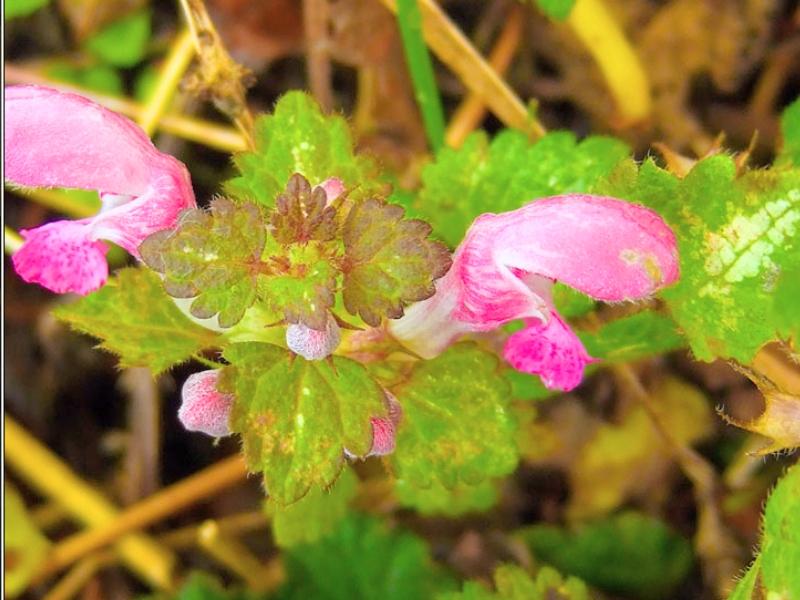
(65, 140)
(203, 408)
(505, 267)
(313, 344)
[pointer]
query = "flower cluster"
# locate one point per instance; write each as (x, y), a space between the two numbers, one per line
(502, 271)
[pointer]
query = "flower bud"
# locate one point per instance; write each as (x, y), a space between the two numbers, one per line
(203, 408)
(384, 431)
(312, 344)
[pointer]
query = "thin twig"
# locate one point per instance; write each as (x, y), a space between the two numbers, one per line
(472, 109)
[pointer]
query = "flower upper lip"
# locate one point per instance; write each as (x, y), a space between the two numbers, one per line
(61, 139)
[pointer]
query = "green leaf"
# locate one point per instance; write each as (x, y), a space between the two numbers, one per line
(123, 43)
(632, 338)
(480, 177)
(438, 500)
(513, 583)
(298, 138)
(136, 320)
(389, 262)
(297, 417)
(790, 131)
(628, 553)
(213, 257)
(24, 546)
(301, 216)
(306, 291)
(776, 570)
(457, 421)
(200, 585)
(738, 237)
(13, 9)
(556, 9)
(363, 560)
(314, 516)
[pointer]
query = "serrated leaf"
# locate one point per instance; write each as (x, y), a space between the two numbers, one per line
(790, 131)
(438, 500)
(389, 262)
(137, 321)
(457, 421)
(298, 138)
(736, 236)
(628, 553)
(480, 177)
(214, 257)
(315, 515)
(776, 570)
(301, 214)
(24, 546)
(305, 292)
(513, 583)
(123, 43)
(296, 417)
(363, 560)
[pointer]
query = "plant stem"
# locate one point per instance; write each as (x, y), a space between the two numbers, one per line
(420, 66)
(178, 60)
(617, 60)
(473, 108)
(160, 505)
(12, 241)
(203, 132)
(460, 56)
(47, 474)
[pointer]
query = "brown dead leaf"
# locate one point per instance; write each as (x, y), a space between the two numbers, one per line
(630, 459)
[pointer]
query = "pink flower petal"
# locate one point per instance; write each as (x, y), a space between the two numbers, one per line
(333, 187)
(551, 350)
(203, 408)
(60, 139)
(384, 431)
(60, 257)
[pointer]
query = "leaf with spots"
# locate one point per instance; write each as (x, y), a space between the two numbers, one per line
(296, 417)
(457, 425)
(389, 261)
(739, 242)
(214, 257)
(301, 214)
(299, 138)
(136, 320)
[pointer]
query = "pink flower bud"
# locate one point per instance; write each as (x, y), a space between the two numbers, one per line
(384, 431)
(203, 408)
(333, 187)
(312, 344)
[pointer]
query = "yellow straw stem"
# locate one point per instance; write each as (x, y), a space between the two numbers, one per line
(460, 56)
(170, 500)
(472, 109)
(619, 63)
(203, 132)
(47, 474)
(181, 53)
(12, 241)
